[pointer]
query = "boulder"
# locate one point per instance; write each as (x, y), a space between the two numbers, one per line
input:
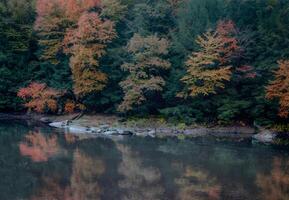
(45, 120)
(104, 126)
(111, 132)
(127, 132)
(265, 136)
(58, 125)
(95, 130)
(78, 129)
(124, 131)
(151, 133)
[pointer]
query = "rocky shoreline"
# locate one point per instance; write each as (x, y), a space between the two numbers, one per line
(153, 132)
(233, 133)
(105, 126)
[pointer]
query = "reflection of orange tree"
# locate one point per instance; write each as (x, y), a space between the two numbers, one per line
(51, 190)
(139, 182)
(275, 186)
(69, 138)
(196, 184)
(85, 174)
(83, 182)
(38, 147)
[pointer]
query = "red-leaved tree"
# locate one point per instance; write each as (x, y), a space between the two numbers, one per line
(39, 97)
(226, 32)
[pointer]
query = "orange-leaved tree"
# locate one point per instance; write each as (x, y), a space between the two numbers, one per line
(74, 27)
(86, 45)
(50, 26)
(53, 19)
(279, 88)
(71, 106)
(210, 67)
(144, 69)
(227, 31)
(39, 97)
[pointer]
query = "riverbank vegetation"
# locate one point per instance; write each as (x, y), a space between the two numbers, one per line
(191, 61)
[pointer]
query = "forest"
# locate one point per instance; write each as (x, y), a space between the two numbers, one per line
(193, 61)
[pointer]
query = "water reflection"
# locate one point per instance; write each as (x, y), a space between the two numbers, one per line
(52, 189)
(139, 182)
(39, 147)
(83, 183)
(61, 166)
(84, 177)
(275, 185)
(196, 184)
(69, 138)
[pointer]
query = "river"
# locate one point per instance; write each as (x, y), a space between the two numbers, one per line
(41, 163)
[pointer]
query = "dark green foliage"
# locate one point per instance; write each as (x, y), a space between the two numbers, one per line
(193, 18)
(16, 19)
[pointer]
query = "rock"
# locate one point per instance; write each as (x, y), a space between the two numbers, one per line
(196, 132)
(124, 132)
(103, 129)
(104, 126)
(138, 134)
(265, 136)
(110, 132)
(151, 133)
(67, 122)
(165, 131)
(45, 120)
(78, 129)
(127, 132)
(95, 130)
(58, 125)
(232, 130)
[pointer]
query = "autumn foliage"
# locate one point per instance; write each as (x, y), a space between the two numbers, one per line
(65, 9)
(86, 45)
(208, 68)
(279, 88)
(50, 25)
(38, 147)
(39, 97)
(143, 69)
(226, 31)
(246, 71)
(204, 73)
(72, 27)
(71, 107)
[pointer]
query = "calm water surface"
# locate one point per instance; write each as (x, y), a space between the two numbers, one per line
(39, 163)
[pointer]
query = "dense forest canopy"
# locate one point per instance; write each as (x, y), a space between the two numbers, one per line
(221, 61)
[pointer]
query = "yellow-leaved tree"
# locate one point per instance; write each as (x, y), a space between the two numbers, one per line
(279, 88)
(86, 45)
(209, 68)
(144, 70)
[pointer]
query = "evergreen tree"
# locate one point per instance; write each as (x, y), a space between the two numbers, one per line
(16, 20)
